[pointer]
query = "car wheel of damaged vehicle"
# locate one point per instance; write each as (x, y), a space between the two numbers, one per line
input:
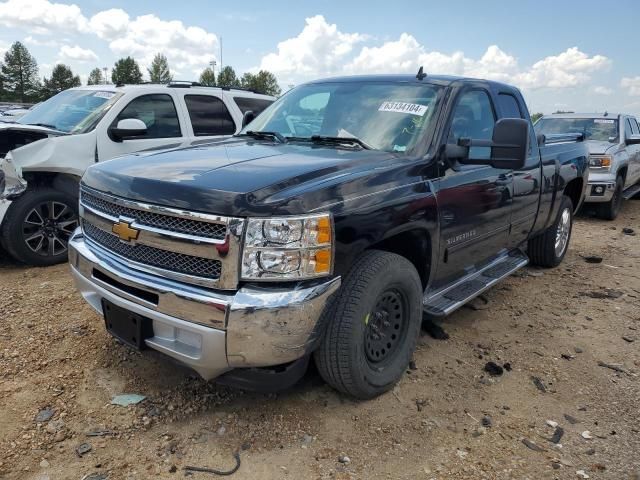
(38, 225)
(374, 323)
(549, 248)
(610, 210)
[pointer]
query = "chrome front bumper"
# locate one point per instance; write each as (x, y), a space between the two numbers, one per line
(210, 331)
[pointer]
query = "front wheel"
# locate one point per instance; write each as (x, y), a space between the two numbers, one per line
(610, 210)
(373, 327)
(38, 225)
(549, 248)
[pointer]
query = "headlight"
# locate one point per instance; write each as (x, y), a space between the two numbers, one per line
(288, 248)
(600, 161)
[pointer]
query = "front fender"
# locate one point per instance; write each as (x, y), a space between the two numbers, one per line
(11, 182)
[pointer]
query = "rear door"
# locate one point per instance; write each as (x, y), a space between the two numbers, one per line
(526, 181)
(159, 112)
(474, 201)
(209, 116)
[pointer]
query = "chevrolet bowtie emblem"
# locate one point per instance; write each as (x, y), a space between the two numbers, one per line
(125, 231)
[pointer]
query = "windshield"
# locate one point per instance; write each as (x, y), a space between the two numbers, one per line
(601, 129)
(72, 111)
(387, 116)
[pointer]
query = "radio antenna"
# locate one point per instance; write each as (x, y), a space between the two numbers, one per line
(421, 75)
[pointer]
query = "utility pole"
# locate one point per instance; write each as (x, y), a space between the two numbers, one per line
(213, 64)
(104, 78)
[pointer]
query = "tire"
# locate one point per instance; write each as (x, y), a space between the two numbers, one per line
(543, 250)
(349, 357)
(37, 227)
(610, 210)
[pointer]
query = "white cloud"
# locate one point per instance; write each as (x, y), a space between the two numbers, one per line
(143, 37)
(30, 40)
(3, 49)
(601, 90)
(77, 53)
(319, 49)
(568, 69)
(632, 84)
(42, 16)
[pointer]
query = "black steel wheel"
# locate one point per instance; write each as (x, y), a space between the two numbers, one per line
(386, 327)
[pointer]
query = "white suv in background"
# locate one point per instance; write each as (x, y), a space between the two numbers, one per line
(45, 153)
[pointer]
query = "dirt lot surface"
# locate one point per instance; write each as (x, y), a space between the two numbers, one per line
(571, 337)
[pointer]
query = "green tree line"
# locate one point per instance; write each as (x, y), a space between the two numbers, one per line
(20, 79)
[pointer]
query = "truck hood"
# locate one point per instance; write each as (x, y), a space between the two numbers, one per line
(597, 147)
(239, 176)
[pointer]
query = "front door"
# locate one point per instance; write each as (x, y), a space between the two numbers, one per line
(474, 201)
(526, 180)
(159, 113)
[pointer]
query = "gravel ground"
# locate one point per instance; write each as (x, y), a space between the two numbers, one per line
(554, 330)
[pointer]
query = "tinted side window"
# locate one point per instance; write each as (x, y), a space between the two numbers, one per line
(473, 117)
(509, 107)
(256, 105)
(634, 126)
(209, 116)
(627, 128)
(157, 111)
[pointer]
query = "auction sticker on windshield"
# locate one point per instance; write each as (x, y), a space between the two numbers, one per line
(106, 95)
(402, 107)
(602, 120)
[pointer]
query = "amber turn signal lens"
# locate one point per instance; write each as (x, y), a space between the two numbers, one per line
(324, 230)
(323, 261)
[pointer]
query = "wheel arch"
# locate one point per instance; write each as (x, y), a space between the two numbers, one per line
(574, 190)
(415, 245)
(63, 182)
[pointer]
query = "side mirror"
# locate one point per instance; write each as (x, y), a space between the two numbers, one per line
(248, 117)
(510, 143)
(127, 128)
(509, 146)
(633, 140)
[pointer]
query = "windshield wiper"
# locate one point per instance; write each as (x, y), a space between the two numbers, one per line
(46, 125)
(257, 134)
(334, 141)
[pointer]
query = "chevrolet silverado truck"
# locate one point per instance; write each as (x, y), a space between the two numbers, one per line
(614, 155)
(44, 153)
(326, 228)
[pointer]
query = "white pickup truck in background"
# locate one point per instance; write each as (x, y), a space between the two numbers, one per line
(614, 155)
(45, 153)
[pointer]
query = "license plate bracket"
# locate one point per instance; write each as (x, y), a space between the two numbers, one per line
(129, 327)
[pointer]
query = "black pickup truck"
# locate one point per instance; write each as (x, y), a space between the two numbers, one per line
(327, 228)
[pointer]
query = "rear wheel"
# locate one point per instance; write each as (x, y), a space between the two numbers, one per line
(610, 210)
(373, 327)
(549, 248)
(38, 225)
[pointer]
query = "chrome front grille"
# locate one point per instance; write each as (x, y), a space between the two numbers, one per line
(162, 221)
(190, 247)
(174, 262)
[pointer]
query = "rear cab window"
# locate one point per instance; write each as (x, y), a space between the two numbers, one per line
(209, 116)
(256, 105)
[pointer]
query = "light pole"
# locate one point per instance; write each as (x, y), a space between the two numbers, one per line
(213, 64)
(104, 78)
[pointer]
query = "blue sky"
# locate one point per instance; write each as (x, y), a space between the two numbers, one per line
(563, 54)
